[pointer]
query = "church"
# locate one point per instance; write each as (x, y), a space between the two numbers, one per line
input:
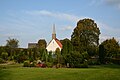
(54, 43)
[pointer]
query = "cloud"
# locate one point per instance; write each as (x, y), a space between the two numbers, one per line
(107, 32)
(106, 28)
(113, 3)
(54, 14)
(67, 28)
(95, 2)
(9, 35)
(19, 19)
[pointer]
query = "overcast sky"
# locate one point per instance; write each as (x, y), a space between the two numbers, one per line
(31, 20)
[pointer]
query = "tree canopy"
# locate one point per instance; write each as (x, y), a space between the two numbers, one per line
(111, 47)
(12, 43)
(85, 35)
(42, 43)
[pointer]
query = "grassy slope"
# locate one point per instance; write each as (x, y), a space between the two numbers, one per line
(110, 72)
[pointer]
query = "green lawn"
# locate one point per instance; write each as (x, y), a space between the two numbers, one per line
(109, 72)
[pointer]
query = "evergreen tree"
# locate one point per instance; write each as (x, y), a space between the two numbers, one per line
(101, 54)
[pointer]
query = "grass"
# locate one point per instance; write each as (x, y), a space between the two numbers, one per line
(102, 72)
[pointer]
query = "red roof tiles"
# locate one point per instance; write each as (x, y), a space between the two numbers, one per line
(59, 43)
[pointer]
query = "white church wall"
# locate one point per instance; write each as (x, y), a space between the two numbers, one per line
(53, 46)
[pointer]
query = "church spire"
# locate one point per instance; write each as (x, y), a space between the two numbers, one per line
(53, 33)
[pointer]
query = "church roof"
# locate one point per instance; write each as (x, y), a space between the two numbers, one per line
(59, 43)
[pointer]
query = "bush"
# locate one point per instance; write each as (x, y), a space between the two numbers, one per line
(32, 64)
(93, 62)
(115, 61)
(59, 65)
(49, 65)
(26, 64)
(4, 55)
(1, 60)
(84, 65)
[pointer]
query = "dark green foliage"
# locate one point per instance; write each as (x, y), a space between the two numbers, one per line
(85, 35)
(85, 55)
(49, 65)
(26, 64)
(21, 56)
(111, 47)
(93, 62)
(30, 54)
(1, 60)
(74, 59)
(66, 49)
(50, 59)
(93, 50)
(32, 64)
(108, 50)
(4, 55)
(67, 46)
(34, 51)
(77, 60)
(42, 43)
(84, 65)
(102, 54)
(58, 55)
(44, 56)
(33, 54)
(115, 60)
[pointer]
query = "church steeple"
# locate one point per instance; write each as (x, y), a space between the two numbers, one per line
(53, 33)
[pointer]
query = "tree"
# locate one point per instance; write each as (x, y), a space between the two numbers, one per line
(50, 59)
(67, 46)
(66, 49)
(44, 55)
(58, 55)
(30, 53)
(42, 43)
(75, 59)
(12, 43)
(85, 35)
(111, 47)
(101, 54)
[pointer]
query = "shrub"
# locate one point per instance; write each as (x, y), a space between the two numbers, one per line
(48, 64)
(93, 62)
(26, 64)
(4, 55)
(1, 60)
(32, 64)
(59, 65)
(115, 61)
(84, 65)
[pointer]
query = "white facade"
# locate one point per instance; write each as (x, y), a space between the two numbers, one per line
(52, 46)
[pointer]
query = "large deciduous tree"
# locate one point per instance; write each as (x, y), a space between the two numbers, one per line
(85, 35)
(12, 43)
